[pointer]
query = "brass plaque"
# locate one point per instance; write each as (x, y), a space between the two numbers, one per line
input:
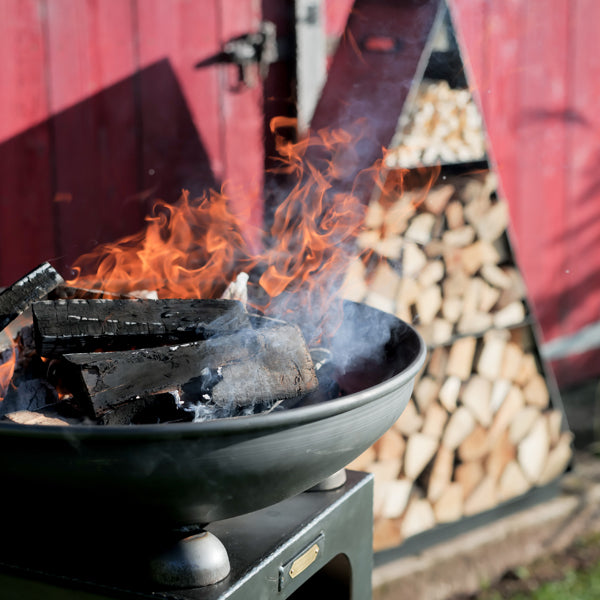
(308, 558)
(302, 561)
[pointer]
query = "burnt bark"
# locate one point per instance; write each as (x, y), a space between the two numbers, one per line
(155, 408)
(21, 294)
(86, 325)
(250, 366)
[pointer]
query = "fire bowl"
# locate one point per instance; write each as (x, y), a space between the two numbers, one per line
(177, 475)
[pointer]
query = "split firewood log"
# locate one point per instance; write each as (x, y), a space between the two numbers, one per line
(397, 495)
(410, 421)
(364, 460)
(420, 449)
(391, 445)
(469, 475)
(460, 425)
(449, 392)
(68, 326)
(476, 445)
(440, 475)
(533, 451)
(449, 506)
(558, 459)
(460, 360)
(482, 498)
(476, 396)
(502, 452)
(512, 482)
(435, 420)
(386, 534)
(23, 293)
(425, 392)
(419, 517)
(243, 368)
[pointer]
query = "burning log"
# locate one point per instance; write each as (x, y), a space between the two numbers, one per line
(254, 365)
(69, 326)
(21, 294)
(155, 408)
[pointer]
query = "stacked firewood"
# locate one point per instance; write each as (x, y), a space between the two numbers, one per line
(443, 125)
(445, 261)
(480, 428)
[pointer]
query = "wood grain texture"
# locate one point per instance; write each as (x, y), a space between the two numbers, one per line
(535, 74)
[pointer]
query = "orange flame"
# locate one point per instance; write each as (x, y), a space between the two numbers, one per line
(195, 247)
(188, 249)
(7, 369)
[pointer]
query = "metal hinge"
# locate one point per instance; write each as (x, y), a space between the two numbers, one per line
(258, 48)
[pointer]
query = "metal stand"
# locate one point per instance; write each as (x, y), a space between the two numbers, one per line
(315, 544)
(194, 561)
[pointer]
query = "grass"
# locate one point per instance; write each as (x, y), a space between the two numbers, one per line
(575, 585)
(574, 574)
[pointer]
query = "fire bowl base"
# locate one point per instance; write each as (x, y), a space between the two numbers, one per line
(333, 482)
(194, 561)
(312, 545)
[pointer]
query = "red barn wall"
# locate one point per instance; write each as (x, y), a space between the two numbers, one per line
(103, 110)
(534, 67)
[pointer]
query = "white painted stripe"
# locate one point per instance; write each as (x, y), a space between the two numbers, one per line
(587, 338)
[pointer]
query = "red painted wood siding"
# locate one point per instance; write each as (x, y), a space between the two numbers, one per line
(102, 110)
(26, 223)
(534, 67)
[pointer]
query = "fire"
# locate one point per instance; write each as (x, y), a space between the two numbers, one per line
(187, 250)
(7, 368)
(195, 247)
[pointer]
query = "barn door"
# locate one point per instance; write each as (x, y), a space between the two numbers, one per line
(107, 106)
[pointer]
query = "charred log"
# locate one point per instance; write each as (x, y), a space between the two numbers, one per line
(72, 326)
(29, 395)
(155, 408)
(21, 294)
(253, 365)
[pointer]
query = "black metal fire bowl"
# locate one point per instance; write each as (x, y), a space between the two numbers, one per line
(195, 473)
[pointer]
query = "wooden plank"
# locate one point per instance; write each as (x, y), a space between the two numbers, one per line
(179, 105)
(26, 230)
(525, 49)
(242, 123)
(65, 326)
(469, 19)
(200, 128)
(541, 139)
(233, 370)
(582, 191)
(21, 294)
(91, 56)
(366, 88)
(512, 50)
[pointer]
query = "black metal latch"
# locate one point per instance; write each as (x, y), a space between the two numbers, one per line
(259, 48)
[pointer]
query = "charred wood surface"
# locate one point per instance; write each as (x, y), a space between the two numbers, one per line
(155, 408)
(21, 294)
(253, 365)
(29, 395)
(86, 325)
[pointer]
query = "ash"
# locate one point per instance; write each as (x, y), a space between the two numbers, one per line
(206, 411)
